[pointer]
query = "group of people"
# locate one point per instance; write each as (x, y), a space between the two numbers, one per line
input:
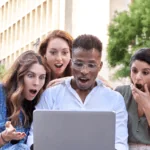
(63, 75)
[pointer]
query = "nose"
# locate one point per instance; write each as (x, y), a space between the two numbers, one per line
(139, 76)
(59, 57)
(85, 69)
(36, 81)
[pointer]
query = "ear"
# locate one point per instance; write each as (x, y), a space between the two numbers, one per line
(45, 57)
(101, 64)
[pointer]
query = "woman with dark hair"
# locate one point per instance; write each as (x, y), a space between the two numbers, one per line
(137, 99)
(19, 93)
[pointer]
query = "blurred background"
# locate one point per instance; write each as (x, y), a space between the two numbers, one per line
(24, 23)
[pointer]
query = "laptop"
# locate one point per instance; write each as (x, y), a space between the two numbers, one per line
(74, 130)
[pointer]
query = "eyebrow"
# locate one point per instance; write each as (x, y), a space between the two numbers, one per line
(142, 69)
(56, 49)
(35, 73)
(90, 61)
(146, 69)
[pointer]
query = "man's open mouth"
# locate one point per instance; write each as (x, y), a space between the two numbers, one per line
(83, 80)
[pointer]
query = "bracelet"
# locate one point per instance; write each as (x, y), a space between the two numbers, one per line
(3, 139)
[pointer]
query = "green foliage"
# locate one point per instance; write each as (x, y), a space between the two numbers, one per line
(128, 32)
(2, 71)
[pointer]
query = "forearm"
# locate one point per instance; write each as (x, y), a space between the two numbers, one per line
(2, 139)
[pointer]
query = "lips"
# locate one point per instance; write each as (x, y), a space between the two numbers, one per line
(58, 65)
(32, 91)
(83, 79)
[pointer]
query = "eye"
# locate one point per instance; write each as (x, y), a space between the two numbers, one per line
(42, 77)
(30, 75)
(91, 65)
(134, 70)
(79, 64)
(53, 52)
(65, 53)
(145, 72)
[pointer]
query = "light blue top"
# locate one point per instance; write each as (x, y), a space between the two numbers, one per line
(3, 118)
(101, 98)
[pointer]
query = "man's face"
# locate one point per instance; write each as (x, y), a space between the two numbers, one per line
(85, 67)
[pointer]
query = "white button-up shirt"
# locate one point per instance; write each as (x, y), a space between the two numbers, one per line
(101, 98)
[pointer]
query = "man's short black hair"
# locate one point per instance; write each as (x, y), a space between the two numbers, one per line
(87, 42)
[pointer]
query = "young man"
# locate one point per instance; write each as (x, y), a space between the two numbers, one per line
(84, 92)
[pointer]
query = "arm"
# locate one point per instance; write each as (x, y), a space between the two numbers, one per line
(143, 100)
(121, 124)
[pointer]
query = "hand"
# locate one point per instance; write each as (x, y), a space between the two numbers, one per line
(142, 98)
(56, 82)
(10, 133)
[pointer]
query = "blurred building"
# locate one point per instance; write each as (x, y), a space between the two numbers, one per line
(24, 23)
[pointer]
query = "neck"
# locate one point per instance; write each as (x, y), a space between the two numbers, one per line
(82, 93)
(56, 76)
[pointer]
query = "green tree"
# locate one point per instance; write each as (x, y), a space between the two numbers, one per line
(2, 71)
(128, 31)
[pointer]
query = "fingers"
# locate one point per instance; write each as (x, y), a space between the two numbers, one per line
(18, 135)
(9, 127)
(142, 98)
(50, 83)
(11, 133)
(55, 82)
(7, 124)
(146, 88)
(136, 93)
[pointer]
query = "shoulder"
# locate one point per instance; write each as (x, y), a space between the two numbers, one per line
(110, 94)
(51, 95)
(109, 91)
(56, 90)
(124, 90)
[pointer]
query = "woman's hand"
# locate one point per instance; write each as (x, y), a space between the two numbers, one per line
(142, 98)
(10, 133)
(56, 81)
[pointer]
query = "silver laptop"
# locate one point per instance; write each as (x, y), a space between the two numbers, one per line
(74, 130)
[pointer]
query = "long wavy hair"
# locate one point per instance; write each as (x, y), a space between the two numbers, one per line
(13, 83)
(57, 34)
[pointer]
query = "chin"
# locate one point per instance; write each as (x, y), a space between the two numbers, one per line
(83, 88)
(30, 99)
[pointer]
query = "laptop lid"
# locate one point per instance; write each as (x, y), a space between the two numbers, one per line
(74, 130)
